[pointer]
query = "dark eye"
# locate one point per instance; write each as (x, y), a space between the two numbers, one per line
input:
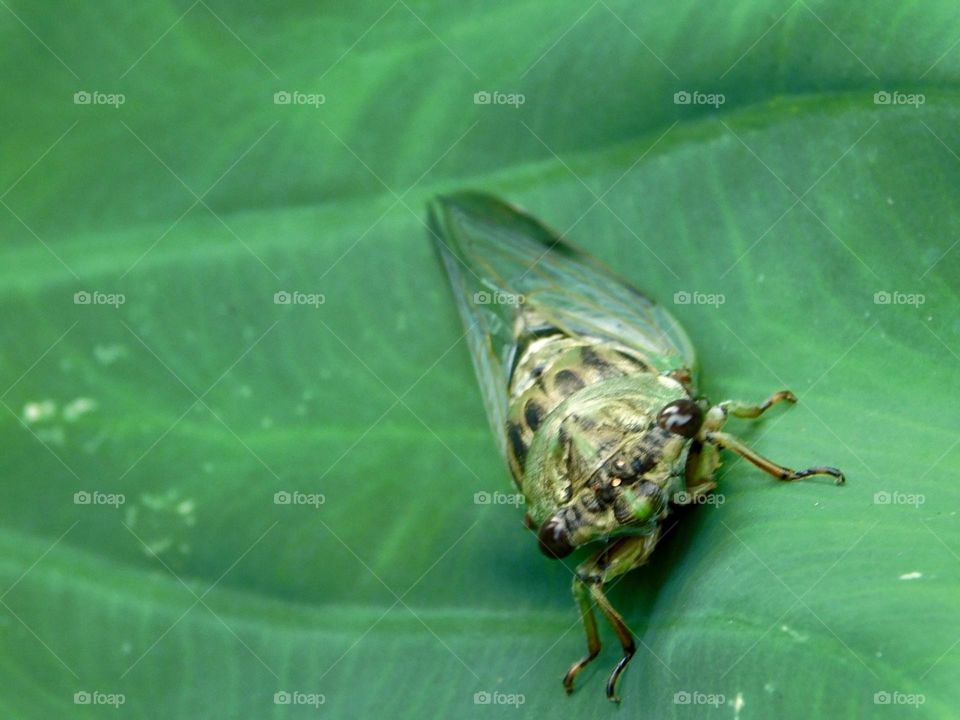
(681, 417)
(554, 539)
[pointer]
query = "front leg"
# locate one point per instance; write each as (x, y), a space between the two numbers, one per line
(617, 558)
(711, 435)
(741, 409)
(729, 442)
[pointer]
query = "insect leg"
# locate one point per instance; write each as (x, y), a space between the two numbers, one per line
(582, 594)
(702, 460)
(623, 632)
(744, 410)
(729, 442)
(610, 562)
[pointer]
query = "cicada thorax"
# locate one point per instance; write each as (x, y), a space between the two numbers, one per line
(583, 443)
(550, 367)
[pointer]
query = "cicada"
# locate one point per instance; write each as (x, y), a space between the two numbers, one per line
(591, 391)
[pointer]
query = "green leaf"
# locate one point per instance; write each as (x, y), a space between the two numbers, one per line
(797, 199)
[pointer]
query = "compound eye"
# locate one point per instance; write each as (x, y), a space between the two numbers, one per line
(681, 417)
(554, 539)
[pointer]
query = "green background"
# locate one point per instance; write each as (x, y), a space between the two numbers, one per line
(798, 198)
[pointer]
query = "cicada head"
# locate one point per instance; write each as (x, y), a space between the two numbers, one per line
(612, 468)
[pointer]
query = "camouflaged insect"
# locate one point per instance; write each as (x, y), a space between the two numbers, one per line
(590, 388)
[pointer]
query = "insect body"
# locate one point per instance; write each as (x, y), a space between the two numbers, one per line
(590, 388)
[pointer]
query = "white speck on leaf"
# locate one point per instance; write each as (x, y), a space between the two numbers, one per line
(92, 445)
(34, 412)
(798, 636)
(738, 704)
(78, 408)
(911, 575)
(109, 354)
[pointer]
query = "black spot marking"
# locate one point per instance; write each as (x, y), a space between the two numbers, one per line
(621, 511)
(591, 359)
(608, 446)
(629, 464)
(605, 494)
(533, 413)
(568, 382)
(583, 422)
(637, 363)
(643, 463)
(515, 434)
(525, 339)
(539, 333)
(649, 489)
(538, 379)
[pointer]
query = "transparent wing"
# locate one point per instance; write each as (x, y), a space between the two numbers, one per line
(512, 276)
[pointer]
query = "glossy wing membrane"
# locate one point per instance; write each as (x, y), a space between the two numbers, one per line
(511, 276)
